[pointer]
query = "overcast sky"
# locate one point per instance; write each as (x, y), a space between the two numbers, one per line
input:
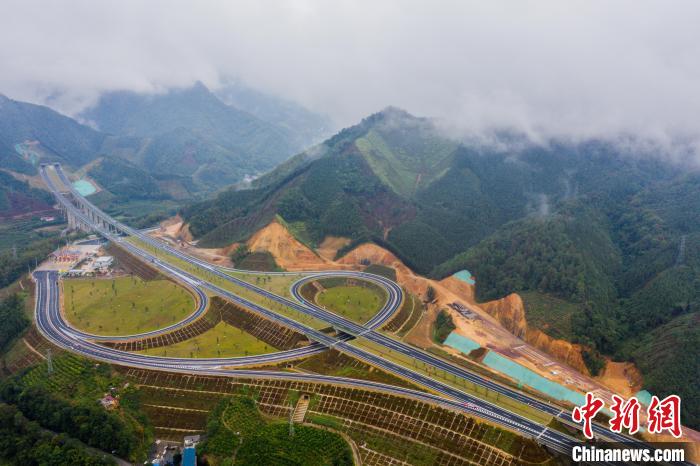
(556, 67)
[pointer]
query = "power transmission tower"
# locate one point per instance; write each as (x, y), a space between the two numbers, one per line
(49, 361)
(14, 251)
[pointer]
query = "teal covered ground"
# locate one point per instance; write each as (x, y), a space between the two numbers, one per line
(465, 276)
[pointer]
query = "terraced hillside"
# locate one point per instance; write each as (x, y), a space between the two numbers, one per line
(384, 428)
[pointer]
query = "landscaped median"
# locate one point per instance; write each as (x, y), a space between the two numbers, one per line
(454, 381)
(124, 305)
(222, 341)
(355, 300)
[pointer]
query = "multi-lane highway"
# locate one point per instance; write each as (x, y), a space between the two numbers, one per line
(52, 325)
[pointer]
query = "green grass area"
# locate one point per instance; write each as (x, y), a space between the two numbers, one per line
(278, 284)
(299, 231)
(124, 305)
(238, 434)
(223, 340)
(395, 163)
(14, 353)
(549, 314)
(357, 303)
(325, 420)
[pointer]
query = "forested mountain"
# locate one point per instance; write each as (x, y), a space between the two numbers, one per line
(190, 132)
(150, 153)
(187, 139)
(608, 239)
(306, 127)
(395, 179)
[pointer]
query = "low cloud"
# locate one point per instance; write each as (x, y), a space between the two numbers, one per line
(587, 69)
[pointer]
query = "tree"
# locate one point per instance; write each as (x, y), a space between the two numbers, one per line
(239, 254)
(430, 294)
(12, 317)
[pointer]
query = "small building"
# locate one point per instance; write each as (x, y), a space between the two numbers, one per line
(192, 440)
(79, 273)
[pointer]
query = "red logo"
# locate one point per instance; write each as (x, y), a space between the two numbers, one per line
(662, 415)
(626, 414)
(587, 412)
(665, 415)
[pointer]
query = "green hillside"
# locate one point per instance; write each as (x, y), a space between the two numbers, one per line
(544, 254)
(335, 194)
(395, 179)
(604, 245)
(60, 137)
(153, 152)
(190, 132)
(405, 152)
(616, 278)
(17, 197)
(668, 358)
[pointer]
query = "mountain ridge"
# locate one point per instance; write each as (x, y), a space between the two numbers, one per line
(185, 133)
(585, 224)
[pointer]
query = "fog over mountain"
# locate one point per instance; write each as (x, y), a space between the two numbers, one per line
(574, 69)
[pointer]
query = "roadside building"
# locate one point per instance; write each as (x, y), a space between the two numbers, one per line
(102, 264)
(79, 273)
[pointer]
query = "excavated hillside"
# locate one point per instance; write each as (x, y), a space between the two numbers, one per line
(289, 253)
(505, 317)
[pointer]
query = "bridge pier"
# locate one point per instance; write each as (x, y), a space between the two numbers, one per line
(74, 223)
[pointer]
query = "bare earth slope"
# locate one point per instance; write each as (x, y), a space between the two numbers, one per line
(502, 325)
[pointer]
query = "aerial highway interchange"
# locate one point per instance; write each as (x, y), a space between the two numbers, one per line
(52, 325)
